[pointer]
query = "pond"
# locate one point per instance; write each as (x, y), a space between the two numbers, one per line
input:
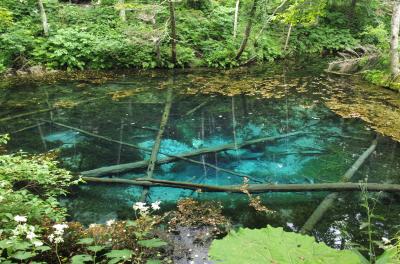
(95, 128)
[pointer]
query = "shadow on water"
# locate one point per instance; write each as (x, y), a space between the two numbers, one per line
(210, 109)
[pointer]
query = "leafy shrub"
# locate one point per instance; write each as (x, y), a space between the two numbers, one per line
(376, 35)
(269, 48)
(321, 39)
(16, 47)
(6, 19)
(220, 55)
(67, 48)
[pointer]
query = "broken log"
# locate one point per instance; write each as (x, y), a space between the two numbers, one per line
(157, 143)
(252, 188)
(330, 199)
(142, 164)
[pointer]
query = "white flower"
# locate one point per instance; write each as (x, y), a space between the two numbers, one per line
(37, 243)
(156, 205)
(30, 235)
(58, 240)
(110, 222)
(385, 240)
(20, 218)
(60, 227)
(51, 237)
(140, 206)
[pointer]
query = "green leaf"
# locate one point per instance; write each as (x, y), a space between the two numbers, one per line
(273, 245)
(153, 261)
(152, 243)
(123, 254)
(85, 241)
(43, 248)
(389, 256)
(22, 255)
(81, 259)
(22, 245)
(95, 248)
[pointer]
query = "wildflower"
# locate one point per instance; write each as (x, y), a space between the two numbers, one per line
(20, 218)
(385, 240)
(58, 240)
(30, 235)
(37, 243)
(143, 209)
(156, 205)
(51, 238)
(139, 206)
(110, 222)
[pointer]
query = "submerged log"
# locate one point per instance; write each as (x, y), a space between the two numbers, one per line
(197, 107)
(252, 188)
(142, 164)
(330, 199)
(157, 143)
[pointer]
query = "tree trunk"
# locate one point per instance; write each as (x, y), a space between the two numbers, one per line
(44, 18)
(122, 11)
(394, 42)
(173, 30)
(235, 21)
(251, 188)
(113, 169)
(331, 198)
(288, 37)
(248, 30)
(157, 142)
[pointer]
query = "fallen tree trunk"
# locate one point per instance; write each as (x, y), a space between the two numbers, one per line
(142, 164)
(157, 143)
(197, 107)
(330, 199)
(252, 188)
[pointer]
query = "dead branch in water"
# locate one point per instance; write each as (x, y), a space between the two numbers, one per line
(330, 199)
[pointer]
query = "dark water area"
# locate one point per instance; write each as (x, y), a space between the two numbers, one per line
(209, 109)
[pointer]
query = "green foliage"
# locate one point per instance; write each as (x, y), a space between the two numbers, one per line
(321, 39)
(269, 48)
(6, 19)
(303, 12)
(273, 245)
(376, 35)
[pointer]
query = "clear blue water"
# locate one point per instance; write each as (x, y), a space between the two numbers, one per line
(230, 106)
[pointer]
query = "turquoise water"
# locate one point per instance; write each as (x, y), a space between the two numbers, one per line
(209, 109)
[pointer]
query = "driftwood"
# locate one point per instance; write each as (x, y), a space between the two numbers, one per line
(330, 199)
(142, 164)
(157, 143)
(252, 188)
